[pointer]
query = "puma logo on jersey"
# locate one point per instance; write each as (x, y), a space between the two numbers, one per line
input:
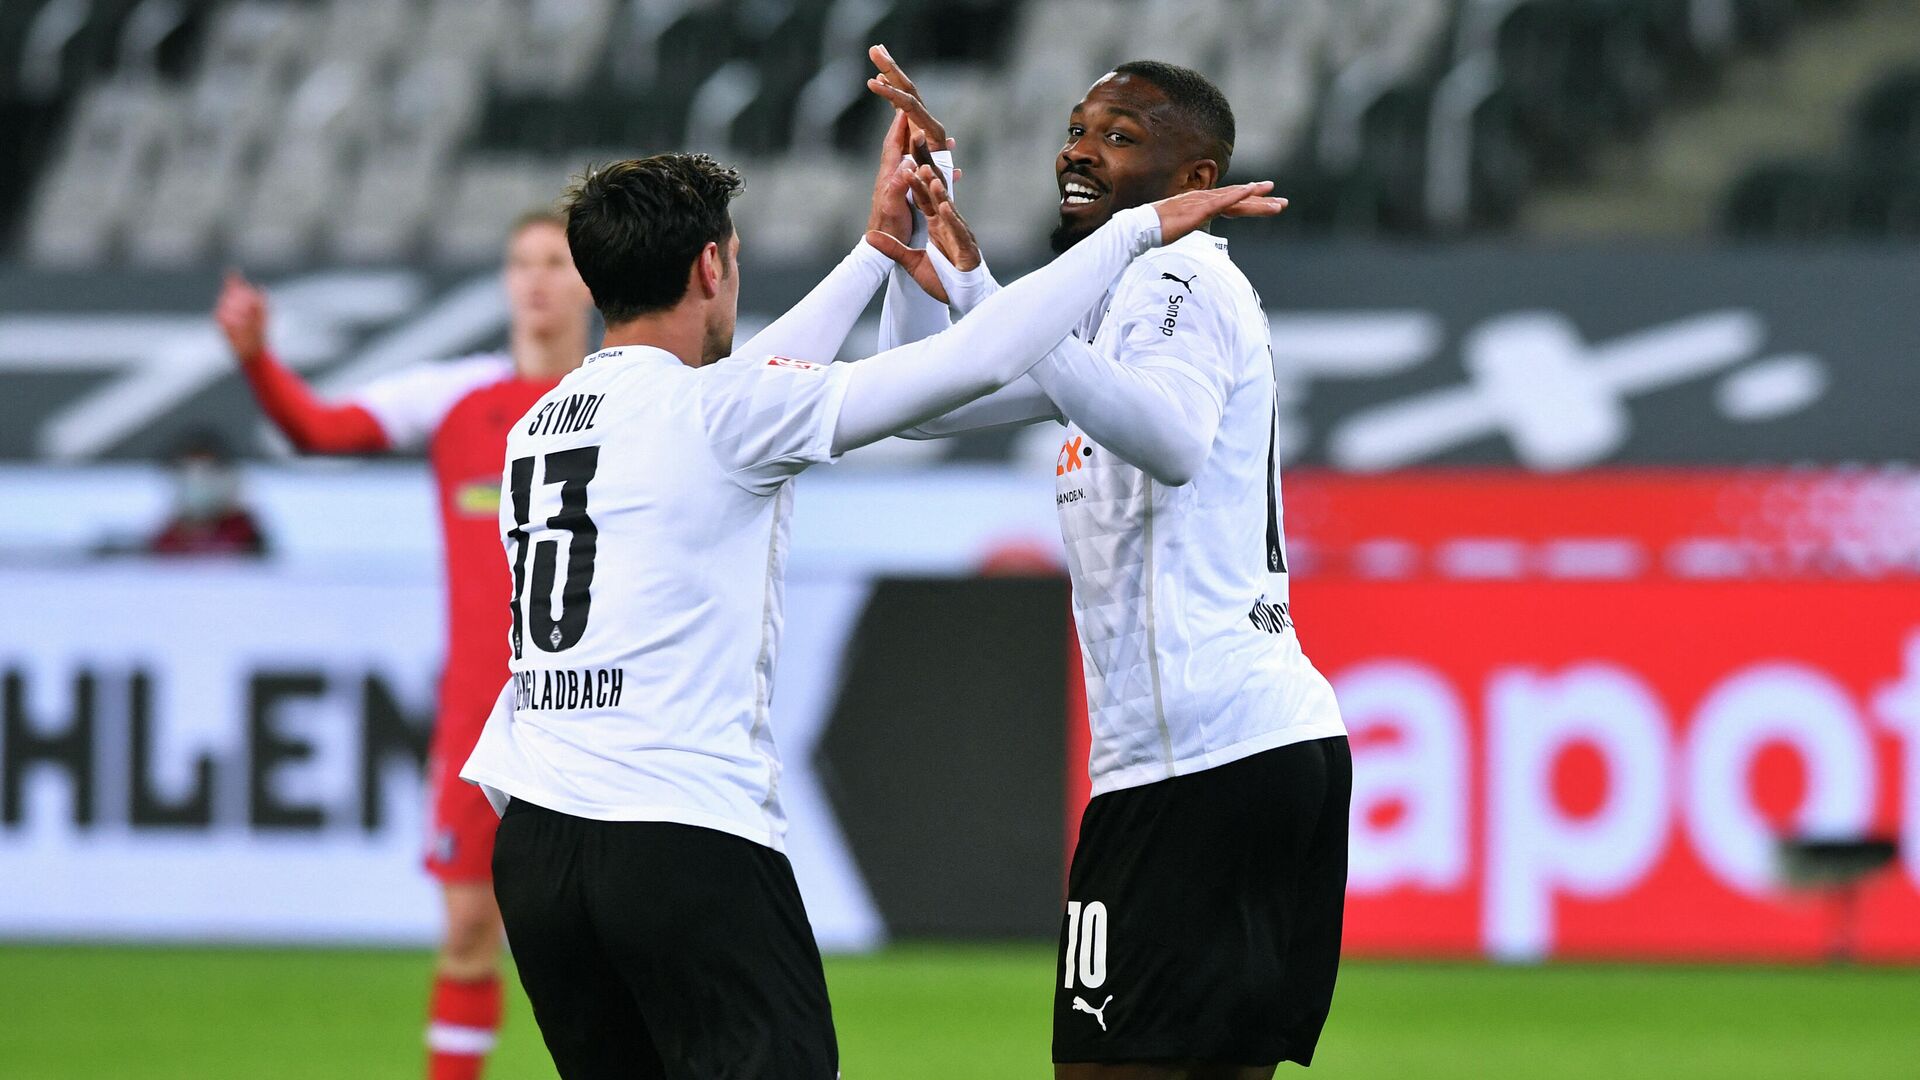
(790, 362)
(1186, 281)
(1080, 1005)
(1073, 455)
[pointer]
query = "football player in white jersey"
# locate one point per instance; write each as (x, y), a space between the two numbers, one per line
(1202, 926)
(644, 511)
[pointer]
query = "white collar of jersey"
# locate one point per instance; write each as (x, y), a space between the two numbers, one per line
(633, 352)
(1197, 239)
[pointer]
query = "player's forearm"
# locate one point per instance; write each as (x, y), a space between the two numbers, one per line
(907, 313)
(816, 327)
(1014, 328)
(312, 425)
(1011, 331)
(1152, 416)
(966, 289)
(1019, 402)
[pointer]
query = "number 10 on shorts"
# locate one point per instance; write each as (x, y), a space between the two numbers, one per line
(1086, 944)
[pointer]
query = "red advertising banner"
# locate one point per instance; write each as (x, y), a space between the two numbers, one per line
(1587, 711)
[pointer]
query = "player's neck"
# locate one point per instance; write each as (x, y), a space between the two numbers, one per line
(670, 331)
(545, 358)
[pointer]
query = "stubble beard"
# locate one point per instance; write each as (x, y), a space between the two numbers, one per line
(719, 342)
(1065, 235)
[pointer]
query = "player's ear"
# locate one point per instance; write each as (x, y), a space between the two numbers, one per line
(707, 270)
(1203, 174)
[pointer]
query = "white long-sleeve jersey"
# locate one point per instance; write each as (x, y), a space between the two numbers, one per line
(645, 513)
(1168, 491)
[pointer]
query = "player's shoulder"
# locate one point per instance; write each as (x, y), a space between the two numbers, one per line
(594, 381)
(449, 381)
(760, 365)
(1195, 262)
(752, 374)
(412, 401)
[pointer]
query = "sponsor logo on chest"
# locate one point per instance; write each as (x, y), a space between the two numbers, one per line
(1074, 456)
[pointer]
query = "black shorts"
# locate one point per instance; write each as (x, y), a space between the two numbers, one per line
(656, 950)
(1203, 914)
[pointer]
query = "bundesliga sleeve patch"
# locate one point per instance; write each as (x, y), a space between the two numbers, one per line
(790, 362)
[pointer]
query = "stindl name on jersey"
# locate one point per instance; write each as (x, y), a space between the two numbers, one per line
(563, 416)
(567, 688)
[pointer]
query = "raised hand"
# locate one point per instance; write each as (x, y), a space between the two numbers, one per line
(893, 84)
(890, 212)
(241, 312)
(1189, 210)
(946, 229)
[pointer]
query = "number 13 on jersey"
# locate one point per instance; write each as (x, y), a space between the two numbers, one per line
(571, 469)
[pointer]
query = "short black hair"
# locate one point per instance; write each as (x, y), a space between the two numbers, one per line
(635, 227)
(1195, 96)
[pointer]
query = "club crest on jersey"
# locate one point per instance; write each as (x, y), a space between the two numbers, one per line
(790, 362)
(1073, 455)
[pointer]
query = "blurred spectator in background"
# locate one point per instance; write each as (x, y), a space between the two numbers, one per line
(208, 516)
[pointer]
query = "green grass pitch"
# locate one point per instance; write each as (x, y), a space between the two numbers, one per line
(923, 1012)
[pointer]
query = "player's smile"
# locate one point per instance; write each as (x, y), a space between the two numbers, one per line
(1079, 193)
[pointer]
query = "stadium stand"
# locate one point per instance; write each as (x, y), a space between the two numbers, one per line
(1872, 190)
(280, 132)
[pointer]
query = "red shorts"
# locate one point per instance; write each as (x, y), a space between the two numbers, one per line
(461, 822)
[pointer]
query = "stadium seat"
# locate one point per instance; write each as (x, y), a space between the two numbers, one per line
(187, 204)
(389, 202)
(1886, 123)
(486, 197)
(556, 47)
(284, 207)
(1786, 201)
(798, 206)
(1398, 92)
(85, 200)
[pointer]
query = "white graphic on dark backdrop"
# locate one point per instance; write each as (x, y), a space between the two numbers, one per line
(1561, 401)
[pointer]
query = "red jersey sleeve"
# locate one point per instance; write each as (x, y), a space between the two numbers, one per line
(312, 425)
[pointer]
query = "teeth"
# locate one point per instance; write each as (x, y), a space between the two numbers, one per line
(1076, 193)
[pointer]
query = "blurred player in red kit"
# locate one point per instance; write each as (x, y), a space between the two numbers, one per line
(459, 411)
